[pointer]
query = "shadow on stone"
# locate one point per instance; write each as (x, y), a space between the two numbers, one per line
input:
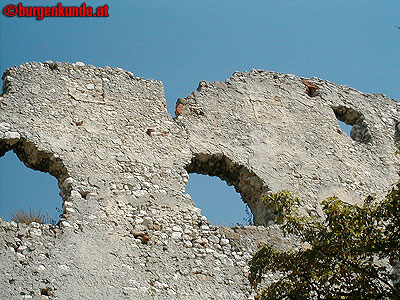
(359, 131)
(246, 182)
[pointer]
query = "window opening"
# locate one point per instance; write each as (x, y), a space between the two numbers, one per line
(26, 194)
(220, 203)
(359, 128)
(344, 127)
(20, 155)
(245, 182)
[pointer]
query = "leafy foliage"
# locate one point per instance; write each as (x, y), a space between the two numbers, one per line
(350, 254)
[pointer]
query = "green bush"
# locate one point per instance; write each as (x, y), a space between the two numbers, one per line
(352, 253)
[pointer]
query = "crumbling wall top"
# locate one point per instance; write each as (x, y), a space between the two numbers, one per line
(129, 230)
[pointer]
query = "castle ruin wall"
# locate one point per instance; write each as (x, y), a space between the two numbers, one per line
(129, 230)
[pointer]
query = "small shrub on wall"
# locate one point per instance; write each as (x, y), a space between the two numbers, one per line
(352, 253)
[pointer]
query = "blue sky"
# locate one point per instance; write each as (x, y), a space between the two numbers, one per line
(183, 42)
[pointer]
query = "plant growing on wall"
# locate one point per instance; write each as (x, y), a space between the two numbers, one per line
(22, 216)
(351, 253)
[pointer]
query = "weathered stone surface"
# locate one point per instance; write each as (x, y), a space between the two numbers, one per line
(129, 231)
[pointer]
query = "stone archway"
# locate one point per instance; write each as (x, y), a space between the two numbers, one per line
(246, 182)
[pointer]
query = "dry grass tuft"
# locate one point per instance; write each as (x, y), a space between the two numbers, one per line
(22, 216)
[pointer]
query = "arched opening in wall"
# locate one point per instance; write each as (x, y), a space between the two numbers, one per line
(220, 203)
(28, 193)
(352, 123)
(250, 187)
(345, 127)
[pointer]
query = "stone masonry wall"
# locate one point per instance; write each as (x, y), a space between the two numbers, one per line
(129, 231)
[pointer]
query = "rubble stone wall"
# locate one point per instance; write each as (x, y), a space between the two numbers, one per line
(122, 161)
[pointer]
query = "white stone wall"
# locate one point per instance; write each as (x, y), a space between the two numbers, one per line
(129, 231)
